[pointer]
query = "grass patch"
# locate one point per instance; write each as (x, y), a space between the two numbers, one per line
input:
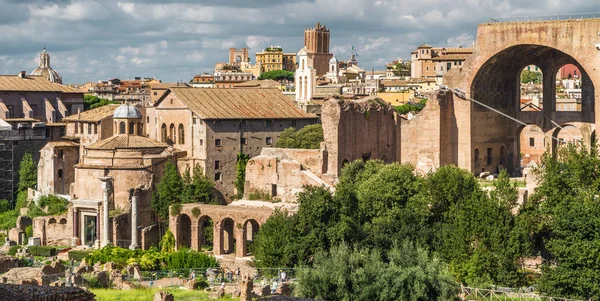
(515, 182)
(148, 294)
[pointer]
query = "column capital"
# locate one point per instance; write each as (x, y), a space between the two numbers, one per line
(106, 183)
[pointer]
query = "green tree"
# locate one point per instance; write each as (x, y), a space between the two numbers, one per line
(411, 107)
(274, 245)
(4, 206)
(277, 75)
(309, 137)
(240, 179)
(531, 77)
(27, 172)
(168, 191)
(405, 273)
(92, 102)
(167, 242)
(197, 188)
(565, 214)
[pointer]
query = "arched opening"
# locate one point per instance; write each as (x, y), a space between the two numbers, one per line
(565, 135)
(227, 236)
(250, 229)
(205, 233)
(121, 127)
(476, 159)
(172, 132)
(163, 133)
(63, 221)
(131, 128)
(114, 128)
(568, 88)
(497, 84)
(140, 129)
(532, 90)
(184, 230)
(52, 221)
(532, 145)
(502, 157)
(180, 134)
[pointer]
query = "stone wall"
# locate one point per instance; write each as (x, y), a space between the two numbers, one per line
(56, 230)
(359, 130)
(428, 141)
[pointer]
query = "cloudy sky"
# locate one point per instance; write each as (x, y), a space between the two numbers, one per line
(173, 40)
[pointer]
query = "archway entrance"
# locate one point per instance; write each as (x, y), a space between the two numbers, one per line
(566, 135)
(250, 229)
(227, 236)
(205, 233)
(532, 145)
(184, 230)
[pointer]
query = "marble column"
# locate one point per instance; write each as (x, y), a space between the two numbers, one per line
(106, 189)
(134, 219)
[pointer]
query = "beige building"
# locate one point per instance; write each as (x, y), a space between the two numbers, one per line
(273, 58)
(428, 61)
(212, 126)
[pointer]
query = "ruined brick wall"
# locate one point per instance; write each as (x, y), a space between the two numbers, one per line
(363, 129)
(428, 141)
(121, 230)
(282, 173)
(56, 172)
(54, 230)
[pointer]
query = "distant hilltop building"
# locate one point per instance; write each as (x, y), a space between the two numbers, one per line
(429, 61)
(316, 43)
(45, 70)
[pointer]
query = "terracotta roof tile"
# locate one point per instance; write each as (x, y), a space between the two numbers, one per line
(239, 103)
(32, 83)
(62, 144)
(127, 141)
(93, 115)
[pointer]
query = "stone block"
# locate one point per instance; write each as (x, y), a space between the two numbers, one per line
(7, 263)
(163, 296)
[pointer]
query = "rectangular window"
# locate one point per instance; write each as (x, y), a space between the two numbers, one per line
(217, 142)
(217, 164)
(269, 141)
(293, 123)
(201, 142)
(147, 119)
(194, 120)
(218, 176)
(244, 123)
(89, 127)
(244, 142)
(532, 142)
(60, 173)
(489, 156)
(268, 123)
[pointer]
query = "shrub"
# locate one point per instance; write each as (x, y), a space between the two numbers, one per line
(188, 259)
(196, 212)
(167, 243)
(78, 255)
(175, 209)
(42, 251)
(29, 231)
(260, 195)
(55, 205)
(13, 250)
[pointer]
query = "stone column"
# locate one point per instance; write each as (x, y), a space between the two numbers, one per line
(134, 222)
(549, 98)
(217, 239)
(240, 241)
(106, 189)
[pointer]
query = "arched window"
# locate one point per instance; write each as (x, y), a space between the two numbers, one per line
(131, 128)
(181, 134)
(172, 132)
(163, 132)
(115, 127)
(122, 127)
(140, 128)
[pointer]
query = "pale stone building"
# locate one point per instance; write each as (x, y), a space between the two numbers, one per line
(429, 61)
(305, 77)
(212, 126)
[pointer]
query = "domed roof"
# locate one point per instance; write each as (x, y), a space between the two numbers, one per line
(45, 70)
(333, 60)
(127, 111)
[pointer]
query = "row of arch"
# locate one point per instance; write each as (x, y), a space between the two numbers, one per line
(131, 128)
(532, 143)
(170, 136)
(303, 87)
(223, 235)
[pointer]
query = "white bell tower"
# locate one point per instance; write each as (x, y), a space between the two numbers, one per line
(305, 77)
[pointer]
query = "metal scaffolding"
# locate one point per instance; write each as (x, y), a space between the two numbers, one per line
(7, 175)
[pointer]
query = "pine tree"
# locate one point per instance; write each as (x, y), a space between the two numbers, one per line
(27, 172)
(168, 191)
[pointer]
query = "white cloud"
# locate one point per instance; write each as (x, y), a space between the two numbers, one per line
(253, 41)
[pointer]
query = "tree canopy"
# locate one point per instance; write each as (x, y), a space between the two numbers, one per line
(377, 206)
(531, 77)
(309, 137)
(278, 75)
(92, 102)
(27, 172)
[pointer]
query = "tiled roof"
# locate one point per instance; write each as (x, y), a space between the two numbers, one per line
(162, 86)
(93, 115)
(239, 103)
(394, 83)
(424, 46)
(126, 141)
(265, 83)
(32, 83)
(451, 57)
(62, 144)
(449, 50)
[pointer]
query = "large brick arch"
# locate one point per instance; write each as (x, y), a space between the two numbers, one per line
(236, 233)
(491, 75)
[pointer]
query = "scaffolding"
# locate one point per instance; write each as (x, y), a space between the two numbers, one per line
(7, 176)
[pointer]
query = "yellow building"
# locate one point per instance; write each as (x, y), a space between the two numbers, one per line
(273, 58)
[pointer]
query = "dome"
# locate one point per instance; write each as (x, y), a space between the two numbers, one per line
(333, 60)
(127, 111)
(45, 70)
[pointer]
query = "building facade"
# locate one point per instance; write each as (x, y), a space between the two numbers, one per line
(428, 61)
(316, 41)
(212, 126)
(273, 58)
